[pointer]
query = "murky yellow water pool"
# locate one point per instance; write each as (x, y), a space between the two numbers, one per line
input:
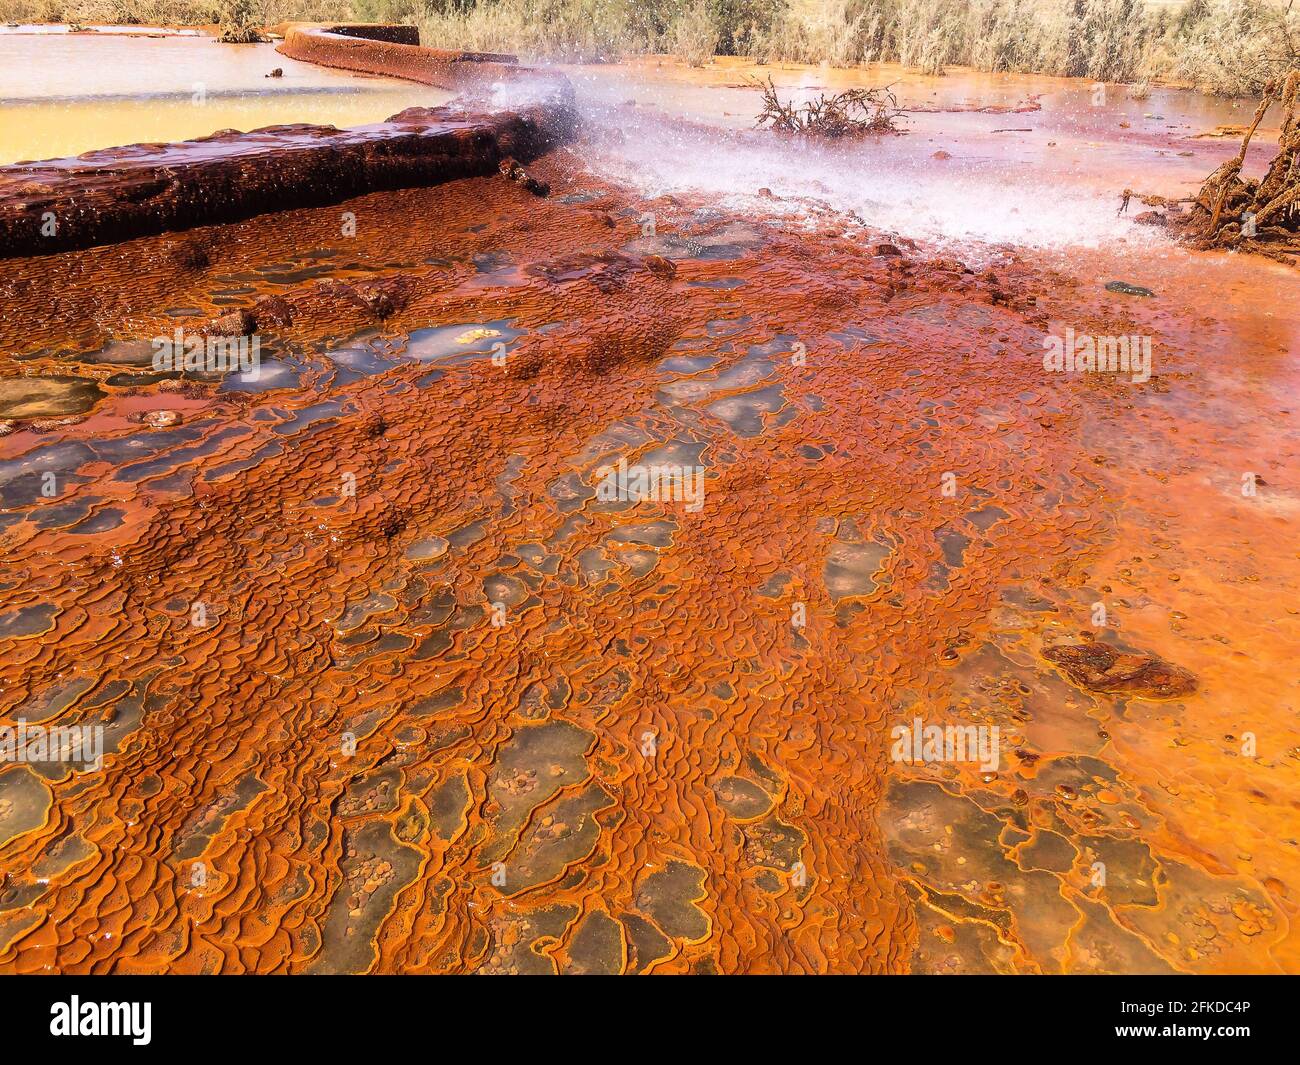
(66, 94)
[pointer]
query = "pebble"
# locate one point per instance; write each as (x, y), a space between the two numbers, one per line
(235, 324)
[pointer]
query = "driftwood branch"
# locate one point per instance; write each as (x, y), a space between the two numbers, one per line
(853, 113)
(1260, 215)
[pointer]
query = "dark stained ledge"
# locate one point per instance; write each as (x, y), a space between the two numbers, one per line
(117, 194)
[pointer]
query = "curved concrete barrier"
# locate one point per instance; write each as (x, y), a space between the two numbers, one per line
(116, 194)
(396, 53)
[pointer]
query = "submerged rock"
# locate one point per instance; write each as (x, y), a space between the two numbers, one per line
(1127, 289)
(383, 297)
(657, 264)
(1099, 667)
(47, 397)
(273, 311)
(512, 171)
(161, 419)
(235, 324)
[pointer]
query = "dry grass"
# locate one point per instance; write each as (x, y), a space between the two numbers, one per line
(1236, 47)
(838, 32)
(176, 12)
(1012, 35)
(239, 23)
(574, 30)
(111, 12)
(1230, 47)
(694, 34)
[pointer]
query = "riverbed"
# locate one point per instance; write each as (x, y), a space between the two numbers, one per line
(457, 702)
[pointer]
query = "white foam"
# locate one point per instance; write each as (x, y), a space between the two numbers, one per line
(890, 183)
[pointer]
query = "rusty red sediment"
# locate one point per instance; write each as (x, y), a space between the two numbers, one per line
(117, 194)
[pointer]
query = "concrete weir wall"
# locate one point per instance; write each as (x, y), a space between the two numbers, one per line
(395, 51)
(116, 194)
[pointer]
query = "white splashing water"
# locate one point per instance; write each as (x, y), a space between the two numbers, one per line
(995, 192)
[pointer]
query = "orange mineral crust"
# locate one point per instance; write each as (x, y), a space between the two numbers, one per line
(390, 681)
